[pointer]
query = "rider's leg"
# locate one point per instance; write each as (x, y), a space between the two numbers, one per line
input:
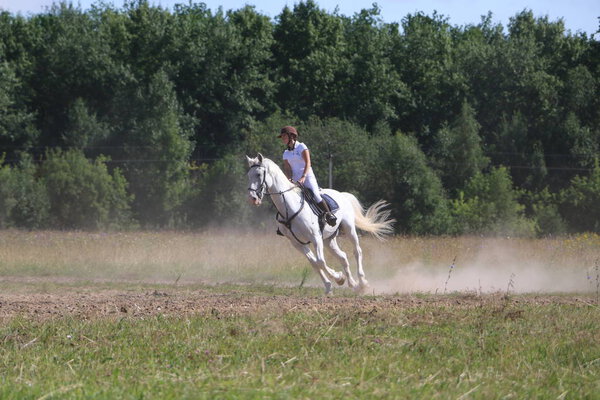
(311, 183)
(329, 217)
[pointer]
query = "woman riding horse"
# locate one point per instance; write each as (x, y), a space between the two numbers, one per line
(297, 168)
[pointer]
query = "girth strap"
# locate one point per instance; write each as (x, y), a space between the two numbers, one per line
(288, 221)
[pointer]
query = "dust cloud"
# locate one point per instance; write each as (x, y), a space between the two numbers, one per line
(510, 278)
(398, 265)
(488, 266)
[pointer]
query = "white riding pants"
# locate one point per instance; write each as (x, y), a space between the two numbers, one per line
(311, 183)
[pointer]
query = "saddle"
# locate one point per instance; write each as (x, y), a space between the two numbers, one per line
(310, 199)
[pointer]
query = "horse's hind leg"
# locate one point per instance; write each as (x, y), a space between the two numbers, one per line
(341, 256)
(362, 280)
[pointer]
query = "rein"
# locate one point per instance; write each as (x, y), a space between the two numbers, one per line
(287, 222)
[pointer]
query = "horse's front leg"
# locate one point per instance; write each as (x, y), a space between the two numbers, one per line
(338, 277)
(304, 249)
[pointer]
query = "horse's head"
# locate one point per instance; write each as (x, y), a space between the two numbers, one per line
(257, 176)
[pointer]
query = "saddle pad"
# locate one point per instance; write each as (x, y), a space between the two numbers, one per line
(309, 197)
(333, 205)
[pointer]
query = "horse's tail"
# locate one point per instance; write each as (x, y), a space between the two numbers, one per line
(375, 220)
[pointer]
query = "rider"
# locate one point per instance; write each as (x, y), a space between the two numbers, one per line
(297, 168)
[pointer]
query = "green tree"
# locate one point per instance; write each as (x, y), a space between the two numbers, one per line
(511, 146)
(489, 205)
(84, 129)
(7, 197)
(31, 207)
(72, 61)
(17, 130)
(400, 174)
(371, 91)
(349, 149)
(83, 194)
(545, 212)
(580, 202)
(153, 139)
(308, 60)
(580, 92)
(223, 78)
(150, 39)
(582, 143)
(424, 59)
(458, 151)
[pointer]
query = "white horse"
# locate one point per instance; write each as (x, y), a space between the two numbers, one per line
(301, 226)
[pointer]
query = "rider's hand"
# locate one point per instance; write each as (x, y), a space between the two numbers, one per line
(301, 180)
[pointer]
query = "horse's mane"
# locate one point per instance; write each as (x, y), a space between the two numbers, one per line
(276, 173)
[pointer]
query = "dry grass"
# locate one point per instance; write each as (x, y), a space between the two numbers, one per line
(401, 264)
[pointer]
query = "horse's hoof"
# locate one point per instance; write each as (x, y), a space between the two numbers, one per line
(328, 289)
(341, 281)
(362, 288)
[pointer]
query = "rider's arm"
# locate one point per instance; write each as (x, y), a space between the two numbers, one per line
(287, 169)
(306, 158)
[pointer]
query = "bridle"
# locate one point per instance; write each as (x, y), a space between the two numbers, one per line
(287, 222)
(261, 190)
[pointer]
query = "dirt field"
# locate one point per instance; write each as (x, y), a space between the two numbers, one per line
(87, 275)
(94, 302)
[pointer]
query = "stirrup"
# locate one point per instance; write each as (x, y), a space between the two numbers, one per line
(279, 232)
(330, 219)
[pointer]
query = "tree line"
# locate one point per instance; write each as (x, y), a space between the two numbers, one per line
(139, 116)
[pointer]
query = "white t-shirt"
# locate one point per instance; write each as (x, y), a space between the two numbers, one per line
(294, 157)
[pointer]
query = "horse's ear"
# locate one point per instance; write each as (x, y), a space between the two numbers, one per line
(260, 158)
(251, 161)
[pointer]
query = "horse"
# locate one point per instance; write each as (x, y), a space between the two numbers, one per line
(301, 225)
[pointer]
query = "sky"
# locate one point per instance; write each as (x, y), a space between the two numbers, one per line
(578, 15)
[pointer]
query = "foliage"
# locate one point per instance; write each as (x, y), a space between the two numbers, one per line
(580, 202)
(489, 205)
(7, 196)
(154, 143)
(404, 179)
(222, 73)
(17, 129)
(83, 129)
(346, 146)
(157, 90)
(545, 212)
(458, 150)
(83, 194)
(219, 197)
(307, 54)
(25, 202)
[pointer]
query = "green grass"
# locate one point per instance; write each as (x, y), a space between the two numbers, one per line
(492, 349)
(421, 344)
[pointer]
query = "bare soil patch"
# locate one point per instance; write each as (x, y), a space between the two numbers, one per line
(93, 302)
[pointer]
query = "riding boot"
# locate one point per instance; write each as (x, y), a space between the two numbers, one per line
(329, 217)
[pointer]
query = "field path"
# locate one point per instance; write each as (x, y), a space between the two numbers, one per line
(98, 301)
